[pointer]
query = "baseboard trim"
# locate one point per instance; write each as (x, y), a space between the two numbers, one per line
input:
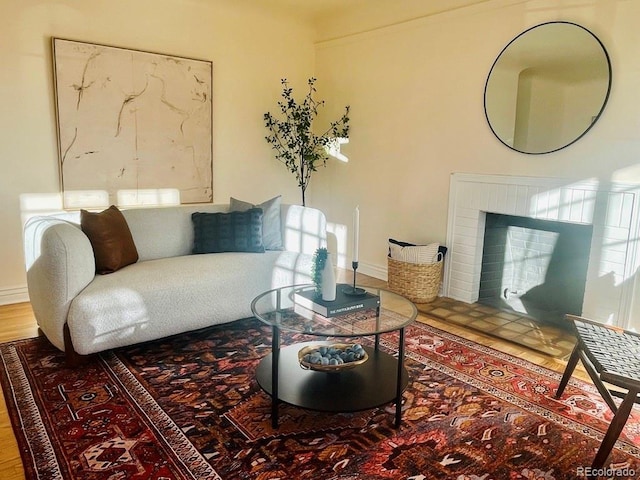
(14, 295)
(375, 271)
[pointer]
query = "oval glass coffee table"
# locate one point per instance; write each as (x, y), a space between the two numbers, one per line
(376, 382)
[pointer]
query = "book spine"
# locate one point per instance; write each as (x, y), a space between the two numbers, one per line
(343, 308)
(311, 305)
(354, 307)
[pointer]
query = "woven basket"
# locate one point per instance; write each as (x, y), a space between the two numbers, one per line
(419, 283)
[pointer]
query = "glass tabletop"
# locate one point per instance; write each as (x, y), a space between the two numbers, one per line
(279, 308)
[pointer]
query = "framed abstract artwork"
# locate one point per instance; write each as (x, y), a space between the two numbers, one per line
(134, 127)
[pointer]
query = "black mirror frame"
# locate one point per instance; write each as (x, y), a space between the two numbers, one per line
(597, 117)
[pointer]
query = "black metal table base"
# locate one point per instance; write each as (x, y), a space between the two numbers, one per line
(378, 381)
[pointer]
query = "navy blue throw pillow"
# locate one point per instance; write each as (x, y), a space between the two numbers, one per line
(228, 232)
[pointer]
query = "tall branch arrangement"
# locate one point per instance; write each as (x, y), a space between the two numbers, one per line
(292, 137)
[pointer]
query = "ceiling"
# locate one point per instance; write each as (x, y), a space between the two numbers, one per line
(312, 10)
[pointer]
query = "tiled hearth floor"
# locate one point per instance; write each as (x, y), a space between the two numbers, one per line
(510, 326)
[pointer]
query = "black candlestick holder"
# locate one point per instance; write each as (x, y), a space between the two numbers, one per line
(353, 291)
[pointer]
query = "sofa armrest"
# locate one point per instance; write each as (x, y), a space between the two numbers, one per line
(304, 229)
(60, 264)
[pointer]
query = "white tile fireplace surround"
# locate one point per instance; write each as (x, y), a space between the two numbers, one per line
(611, 208)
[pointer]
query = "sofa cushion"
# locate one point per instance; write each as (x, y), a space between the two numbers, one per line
(228, 232)
(161, 232)
(110, 237)
(271, 225)
(163, 297)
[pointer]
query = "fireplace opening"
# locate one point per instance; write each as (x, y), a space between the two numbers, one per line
(535, 267)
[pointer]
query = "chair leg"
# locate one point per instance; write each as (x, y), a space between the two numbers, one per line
(571, 366)
(613, 432)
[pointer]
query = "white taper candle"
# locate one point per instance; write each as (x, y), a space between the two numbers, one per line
(356, 232)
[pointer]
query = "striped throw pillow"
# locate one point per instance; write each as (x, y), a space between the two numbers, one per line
(415, 254)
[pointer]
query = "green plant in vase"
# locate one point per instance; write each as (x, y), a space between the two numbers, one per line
(292, 137)
(319, 261)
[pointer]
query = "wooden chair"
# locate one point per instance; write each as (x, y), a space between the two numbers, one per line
(610, 355)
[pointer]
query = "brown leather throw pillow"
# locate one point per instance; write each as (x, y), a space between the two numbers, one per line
(111, 239)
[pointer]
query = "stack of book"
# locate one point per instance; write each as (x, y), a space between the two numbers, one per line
(343, 304)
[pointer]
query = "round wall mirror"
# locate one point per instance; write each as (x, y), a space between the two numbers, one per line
(547, 87)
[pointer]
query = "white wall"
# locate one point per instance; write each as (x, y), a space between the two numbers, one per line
(580, 114)
(543, 126)
(502, 95)
(415, 88)
(251, 50)
(416, 92)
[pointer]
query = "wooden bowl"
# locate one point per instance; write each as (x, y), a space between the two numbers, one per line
(329, 368)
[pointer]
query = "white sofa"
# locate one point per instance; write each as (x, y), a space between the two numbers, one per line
(168, 291)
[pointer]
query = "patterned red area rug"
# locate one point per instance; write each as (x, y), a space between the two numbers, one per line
(188, 407)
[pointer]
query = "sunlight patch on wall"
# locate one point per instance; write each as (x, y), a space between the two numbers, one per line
(570, 202)
(33, 204)
(333, 149)
(151, 196)
(75, 199)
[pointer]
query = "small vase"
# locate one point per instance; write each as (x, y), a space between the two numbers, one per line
(328, 281)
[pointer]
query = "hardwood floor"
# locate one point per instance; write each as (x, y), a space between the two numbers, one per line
(17, 321)
(490, 341)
